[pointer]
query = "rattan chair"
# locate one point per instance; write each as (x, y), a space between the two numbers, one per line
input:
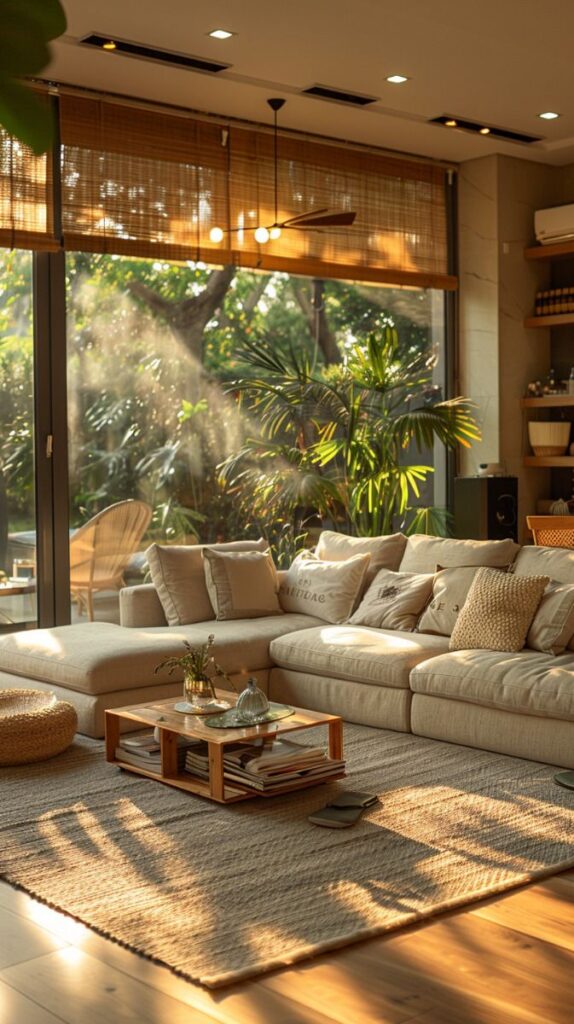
(101, 549)
(552, 531)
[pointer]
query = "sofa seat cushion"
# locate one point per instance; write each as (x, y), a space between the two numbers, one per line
(527, 682)
(100, 657)
(381, 657)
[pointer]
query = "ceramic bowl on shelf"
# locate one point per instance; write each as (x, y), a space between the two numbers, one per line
(549, 438)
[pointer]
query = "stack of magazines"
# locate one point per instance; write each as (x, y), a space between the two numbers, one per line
(269, 768)
(142, 749)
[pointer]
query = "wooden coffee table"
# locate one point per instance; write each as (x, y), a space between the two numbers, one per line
(173, 724)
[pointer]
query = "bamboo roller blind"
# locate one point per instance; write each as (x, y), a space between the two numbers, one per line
(26, 200)
(152, 184)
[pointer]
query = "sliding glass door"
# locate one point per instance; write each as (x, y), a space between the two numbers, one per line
(18, 592)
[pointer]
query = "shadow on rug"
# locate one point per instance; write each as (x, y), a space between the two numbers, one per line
(222, 893)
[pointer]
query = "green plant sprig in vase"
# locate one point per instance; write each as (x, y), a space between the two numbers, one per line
(199, 670)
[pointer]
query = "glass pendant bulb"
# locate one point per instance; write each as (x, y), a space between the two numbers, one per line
(216, 235)
(275, 233)
(261, 235)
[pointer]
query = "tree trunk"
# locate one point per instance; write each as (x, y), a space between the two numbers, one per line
(188, 319)
(313, 309)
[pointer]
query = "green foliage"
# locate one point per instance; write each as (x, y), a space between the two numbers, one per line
(148, 420)
(341, 443)
(27, 28)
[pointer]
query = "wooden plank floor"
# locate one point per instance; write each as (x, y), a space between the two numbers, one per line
(507, 960)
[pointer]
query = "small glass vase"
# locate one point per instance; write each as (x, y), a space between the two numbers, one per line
(252, 704)
(198, 690)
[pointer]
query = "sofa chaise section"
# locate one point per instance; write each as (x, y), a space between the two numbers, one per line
(520, 704)
(101, 665)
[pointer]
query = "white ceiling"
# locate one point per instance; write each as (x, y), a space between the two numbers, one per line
(498, 61)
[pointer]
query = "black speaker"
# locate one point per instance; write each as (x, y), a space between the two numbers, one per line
(486, 507)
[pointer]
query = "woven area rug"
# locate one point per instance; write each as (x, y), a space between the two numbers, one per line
(223, 893)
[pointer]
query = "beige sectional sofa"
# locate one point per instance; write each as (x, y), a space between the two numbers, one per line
(520, 703)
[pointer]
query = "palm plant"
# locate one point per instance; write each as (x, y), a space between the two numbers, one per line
(346, 442)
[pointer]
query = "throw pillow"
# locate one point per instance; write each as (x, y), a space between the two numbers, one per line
(394, 600)
(449, 592)
(327, 590)
(553, 625)
(241, 584)
(386, 552)
(498, 611)
(178, 576)
(423, 553)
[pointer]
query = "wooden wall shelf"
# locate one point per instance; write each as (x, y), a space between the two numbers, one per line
(557, 251)
(550, 461)
(552, 320)
(548, 402)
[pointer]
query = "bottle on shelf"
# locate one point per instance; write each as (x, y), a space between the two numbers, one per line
(550, 384)
(571, 382)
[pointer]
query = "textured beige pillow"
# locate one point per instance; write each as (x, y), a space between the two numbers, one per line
(386, 552)
(241, 584)
(423, 553)
(498, 611)
(177, 574)
(327, 590)
(449, 592)
(553, 625)
(394, 600)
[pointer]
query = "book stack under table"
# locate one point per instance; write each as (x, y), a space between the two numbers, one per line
(269, 767)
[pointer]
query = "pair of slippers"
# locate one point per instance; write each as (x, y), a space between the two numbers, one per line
(344, 811)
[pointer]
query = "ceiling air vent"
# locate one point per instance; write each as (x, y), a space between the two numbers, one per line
(451, 121)
(325, 92)
(178, 60)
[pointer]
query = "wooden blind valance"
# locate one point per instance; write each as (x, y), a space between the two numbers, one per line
(152, 184)
(26, 197)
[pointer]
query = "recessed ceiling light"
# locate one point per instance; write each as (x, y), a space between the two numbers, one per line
(484, 131)
(110, 45)
(397, 79)
(220, 33)
(549, 115)
(451, 123)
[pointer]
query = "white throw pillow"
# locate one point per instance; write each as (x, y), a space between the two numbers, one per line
(178, 576)
(326, 590)
(386, 551)
(449, 592)
(241, 584)
(394, 600)
(553, 625)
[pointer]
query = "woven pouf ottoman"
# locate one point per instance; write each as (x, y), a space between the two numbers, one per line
(34, 725)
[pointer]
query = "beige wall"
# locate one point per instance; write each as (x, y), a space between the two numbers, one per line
(497, 355)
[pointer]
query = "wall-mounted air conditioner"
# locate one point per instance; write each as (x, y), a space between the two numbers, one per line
(555, 224)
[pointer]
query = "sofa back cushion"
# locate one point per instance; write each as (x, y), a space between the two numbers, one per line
(423, 553)
(394, 600)
(178, 575)
(386, 551)
(558, 563)
(241, 584)
(328, 590)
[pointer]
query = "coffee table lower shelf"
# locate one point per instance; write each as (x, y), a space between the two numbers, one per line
(216, 788)
(232, 792)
